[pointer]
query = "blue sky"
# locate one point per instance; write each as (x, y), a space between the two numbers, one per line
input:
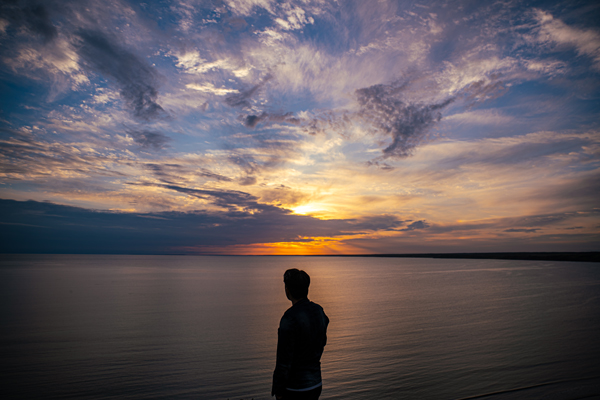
(299, 127)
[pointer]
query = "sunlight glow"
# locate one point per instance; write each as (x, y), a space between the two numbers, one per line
(306, 209)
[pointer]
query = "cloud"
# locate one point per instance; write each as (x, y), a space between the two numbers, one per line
(22, 157)
(527, 223)
(34, 16)
(333, 103)
(406, 123)
(138, 82)
(480, 117)
(546, 150)
(416, 225)
(295, 18)
(192, 63)
(247, 181)
(551, 68)
(149, 139)
(209, 88)
(172, 173)
(245, 7)
(242, 99)
(552, 30)
(233, 200)
(43, 227)
(38, 20)
(50, 60)
(581, 191)
(252, 120)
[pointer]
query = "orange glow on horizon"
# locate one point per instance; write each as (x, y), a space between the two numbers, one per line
(313, 246)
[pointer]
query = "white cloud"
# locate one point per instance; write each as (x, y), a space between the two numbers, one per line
(209, 88)
(295, 18)
(104, 96)
(58, 60)
(246, 7)
(192, 63)
(547, 67)
(60, 57)
(480, 117)
(472, 70)
(586, 42)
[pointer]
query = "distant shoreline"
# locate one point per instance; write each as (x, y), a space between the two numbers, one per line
(590, 256)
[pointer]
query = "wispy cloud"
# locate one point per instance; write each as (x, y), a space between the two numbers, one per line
(242, 99)
(406, 123)
(555, 31)
(149, 139)
(209, 88)
(137, 80)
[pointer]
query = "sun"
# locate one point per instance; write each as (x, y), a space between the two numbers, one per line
(305, 209)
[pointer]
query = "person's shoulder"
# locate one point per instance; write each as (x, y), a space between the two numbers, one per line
(316, 308)
(288, 313)
(315, 305)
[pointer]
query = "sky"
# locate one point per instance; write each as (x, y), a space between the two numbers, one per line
(299, 127)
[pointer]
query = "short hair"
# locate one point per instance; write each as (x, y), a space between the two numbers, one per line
(297, 282)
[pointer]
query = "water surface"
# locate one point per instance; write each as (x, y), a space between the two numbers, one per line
(144, 327)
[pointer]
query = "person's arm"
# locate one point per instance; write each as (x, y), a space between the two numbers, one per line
(285, 354)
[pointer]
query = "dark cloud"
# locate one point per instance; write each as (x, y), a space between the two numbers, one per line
(149, 139)
(172, 173)
(406, 123)
(416, 225)
(167, 173)
(38, 20)
(207, 174)
(137, 80)
(381, 165)
(374, 223)
(233, 200)
(247, 181)
(252, 120)
(33, 15)
(242, 99)
(42, 227)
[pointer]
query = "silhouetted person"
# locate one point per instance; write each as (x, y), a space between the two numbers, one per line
(301, 336)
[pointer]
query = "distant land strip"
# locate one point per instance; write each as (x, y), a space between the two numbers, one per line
(590, 256)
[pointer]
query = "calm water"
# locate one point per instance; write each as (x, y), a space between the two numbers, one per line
(206, 327)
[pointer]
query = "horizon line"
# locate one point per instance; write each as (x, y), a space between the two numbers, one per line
(582, 256)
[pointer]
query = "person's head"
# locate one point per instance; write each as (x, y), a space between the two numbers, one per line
(296, 283)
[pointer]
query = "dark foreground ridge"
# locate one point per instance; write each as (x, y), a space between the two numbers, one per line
(590, 256)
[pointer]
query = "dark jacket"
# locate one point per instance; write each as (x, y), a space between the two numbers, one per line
(302, 336)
